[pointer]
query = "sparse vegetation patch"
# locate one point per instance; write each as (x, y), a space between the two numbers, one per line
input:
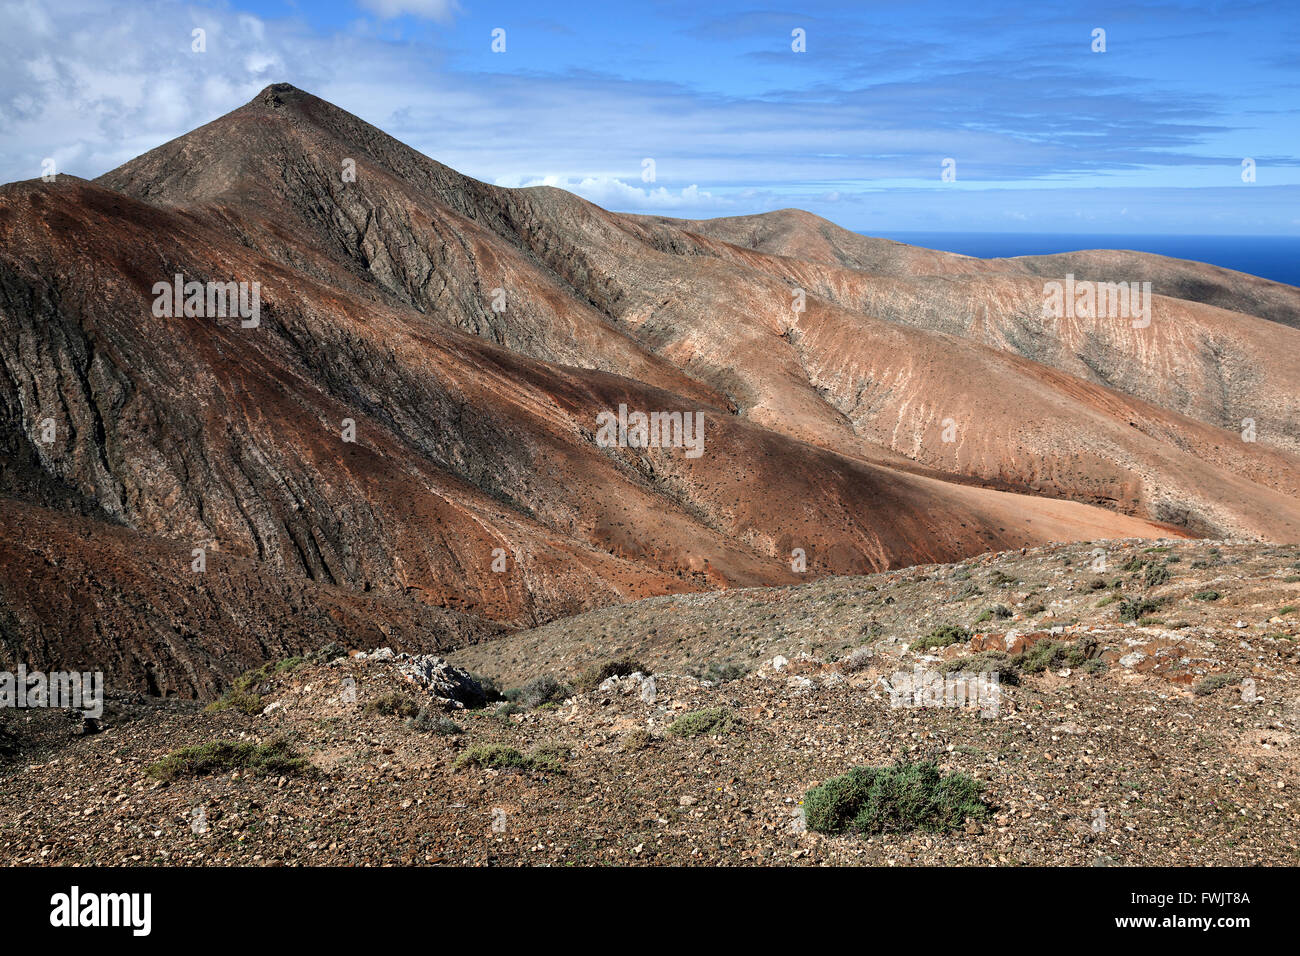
(906, 796)
(275, 758)
(711, 721)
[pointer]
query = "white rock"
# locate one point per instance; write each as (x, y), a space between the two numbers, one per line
(649, 692)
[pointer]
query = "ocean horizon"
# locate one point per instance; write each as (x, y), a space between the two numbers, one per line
(1269, 257)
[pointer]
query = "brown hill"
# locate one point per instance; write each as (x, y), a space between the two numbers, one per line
(475, 482)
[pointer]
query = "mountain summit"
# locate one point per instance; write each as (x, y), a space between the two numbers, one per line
(285, 380)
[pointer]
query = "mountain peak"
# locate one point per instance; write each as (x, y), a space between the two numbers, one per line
(278, 94)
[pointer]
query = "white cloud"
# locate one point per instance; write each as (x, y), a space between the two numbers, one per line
(440, 10)
(613, 193)
(94, 84)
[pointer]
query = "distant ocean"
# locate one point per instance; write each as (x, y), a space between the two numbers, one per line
(1272, 257)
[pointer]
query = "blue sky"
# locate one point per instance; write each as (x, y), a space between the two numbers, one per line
(1046, 135)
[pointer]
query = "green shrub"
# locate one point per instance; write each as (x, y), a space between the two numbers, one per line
(550, 756)
(544, 689)
(1210, 595)
(275, 758)
(331, 651)
(997, 610)
(429, 721)
(1046, 655)
(999, 579)
(906, 796)
(1209, 685)
(1156, 574)
(504, 757)
(392, 705)
(1137, 608)
(713, 721)
(597, 674)
(243, 695)
(1283, 611)
(942, 637)
(985, 662)
(245, 702)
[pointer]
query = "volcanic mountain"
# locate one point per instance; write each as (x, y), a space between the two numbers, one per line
(405, 438)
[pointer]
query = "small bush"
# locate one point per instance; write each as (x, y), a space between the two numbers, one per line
(906, 796)
(719, 672)
(275, 758)
(985, 662)
(549, 756)
(1283, 611)
(1214, 682)
(597, 674)
(1035, 609)
(1097, 584)
(496, 756)
(503, 757)
(244, 696)
(858, 660)
(429, 721)
(1046, 655)
(713, 721)
(998, 579)
(997, 610)
(544, 689)
(243, 693)
(392, 705)
(331, 651)
(1156, 574)
(1137, 608)
(245, 702)
(1210, 595)
(639, 739)
(942, 637)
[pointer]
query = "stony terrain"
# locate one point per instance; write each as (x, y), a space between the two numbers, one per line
(1173, 742)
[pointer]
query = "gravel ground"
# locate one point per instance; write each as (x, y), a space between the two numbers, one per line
(1121, 762)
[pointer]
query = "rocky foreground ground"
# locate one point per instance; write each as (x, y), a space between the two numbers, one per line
(1150, 701)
